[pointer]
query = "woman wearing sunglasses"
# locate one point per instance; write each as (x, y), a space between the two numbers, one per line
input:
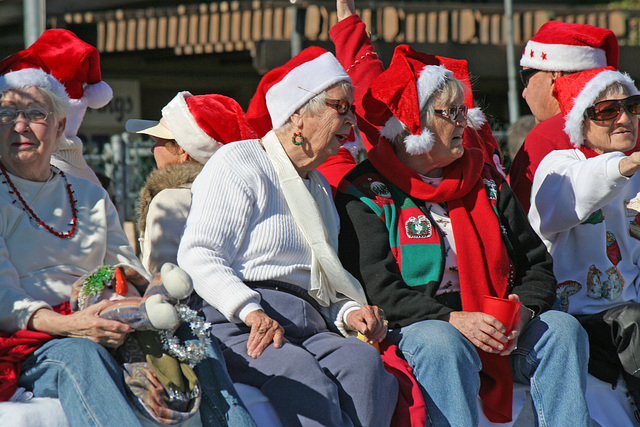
(260, 244)
(586, 206)
(429, 229)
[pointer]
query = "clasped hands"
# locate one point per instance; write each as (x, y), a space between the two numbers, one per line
(368, 320)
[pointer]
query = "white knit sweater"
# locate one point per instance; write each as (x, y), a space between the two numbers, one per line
(37, 268)
(240, 229)
(585, 211)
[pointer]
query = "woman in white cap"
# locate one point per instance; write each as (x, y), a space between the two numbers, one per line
(586, 207)
(430, 229)
(55, 229)
(260, 245)
(190, 131)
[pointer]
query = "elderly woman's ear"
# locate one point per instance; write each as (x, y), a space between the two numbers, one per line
(62, 123)
(297, 120)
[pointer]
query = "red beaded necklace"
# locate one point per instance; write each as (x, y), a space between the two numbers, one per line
(74, 211)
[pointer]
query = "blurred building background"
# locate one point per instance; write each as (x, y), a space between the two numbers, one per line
(150, 50)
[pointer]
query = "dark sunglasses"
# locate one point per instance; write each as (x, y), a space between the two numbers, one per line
(610, 109)
(341, 106)
(525, 75)
(453, 113)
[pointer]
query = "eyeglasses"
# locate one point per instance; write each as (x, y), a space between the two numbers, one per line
(611, 108)
(33, 115)
(525, 75)
(341, 106)
(453, 113)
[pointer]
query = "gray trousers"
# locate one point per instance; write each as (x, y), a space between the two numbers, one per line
(317, 378)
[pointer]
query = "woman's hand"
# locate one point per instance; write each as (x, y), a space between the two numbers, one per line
(630, 164)
(523, 318)
(81, 324)
(483, 330)
(486, 332)
(345, 8)
(369, 321)
(264, 331)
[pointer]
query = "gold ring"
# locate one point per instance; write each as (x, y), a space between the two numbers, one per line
(261, 331)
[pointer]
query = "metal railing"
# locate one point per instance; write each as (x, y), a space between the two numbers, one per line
(127, 161)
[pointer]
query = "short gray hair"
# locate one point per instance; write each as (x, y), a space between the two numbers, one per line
(59, 105)
(616, 88)
(314, 105)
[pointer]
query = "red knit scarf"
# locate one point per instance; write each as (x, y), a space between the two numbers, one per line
(15, 348)
(483, 262)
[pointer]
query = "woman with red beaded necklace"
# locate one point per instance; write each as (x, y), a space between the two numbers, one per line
(54, 229)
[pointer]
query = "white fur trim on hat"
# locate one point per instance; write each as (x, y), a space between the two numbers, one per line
(415, 144)
(476, 118)
(419, 144)
(562, 57)
(98, 94)
(33, 77)
(301, 84)
(186, 131)
(594, 87)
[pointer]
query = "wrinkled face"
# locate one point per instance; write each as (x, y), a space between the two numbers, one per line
(617, 134)
(328, 130)
(166, 152)
(539, 97)
(26, 146)
(447, 145)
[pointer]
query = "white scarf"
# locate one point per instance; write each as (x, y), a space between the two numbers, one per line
(310, 209)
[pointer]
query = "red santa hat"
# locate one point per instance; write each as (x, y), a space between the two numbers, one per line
(75, 64)
(577, 92)
(25, 69)
(283, 90)
(560, 46)
(396, 97)
(199, 124)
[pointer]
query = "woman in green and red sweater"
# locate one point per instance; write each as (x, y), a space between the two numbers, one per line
(428, 228)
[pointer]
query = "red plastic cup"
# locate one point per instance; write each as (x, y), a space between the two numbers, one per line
(505, 310)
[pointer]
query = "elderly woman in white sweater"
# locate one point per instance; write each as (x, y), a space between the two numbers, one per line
(260, 245)
(585, 204)
(55, 228)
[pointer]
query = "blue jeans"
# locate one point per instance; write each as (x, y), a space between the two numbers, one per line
(552, 356)
(220, 405)
(85, 377)
(552, 346)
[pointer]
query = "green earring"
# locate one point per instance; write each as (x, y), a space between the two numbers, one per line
(297, 139)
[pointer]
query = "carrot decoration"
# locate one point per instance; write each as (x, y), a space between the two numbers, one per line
(121, 283)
